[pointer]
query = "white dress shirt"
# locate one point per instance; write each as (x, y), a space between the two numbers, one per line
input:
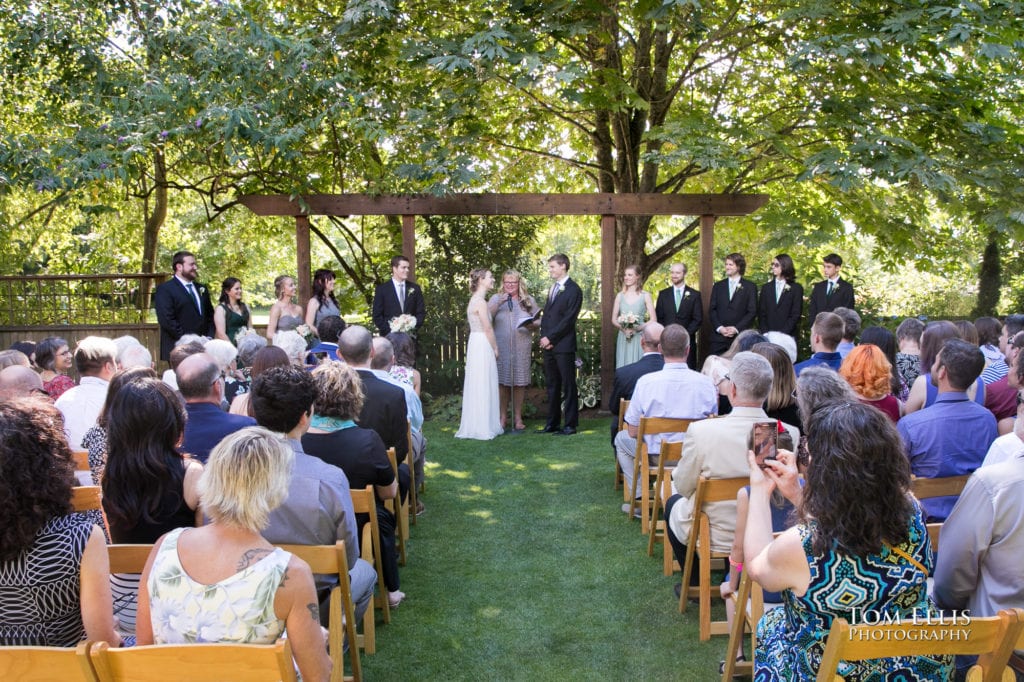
(81, 406)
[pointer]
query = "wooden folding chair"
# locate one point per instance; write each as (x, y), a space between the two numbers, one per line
(623, 406)
(364, 502)
(86, 498)
(709, 490)
(128, 558)
(671, 453)
(195, 662)
(991, 639)
(924, 488)
(642, 468)
(414, 485)
(749, 607)
(400, 510)
(332, 560)
(46, 663)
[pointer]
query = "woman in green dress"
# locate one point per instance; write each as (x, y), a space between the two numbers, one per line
(633, 306)
(231, 315)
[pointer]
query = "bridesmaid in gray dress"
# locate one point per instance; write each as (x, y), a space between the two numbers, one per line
(515, 344)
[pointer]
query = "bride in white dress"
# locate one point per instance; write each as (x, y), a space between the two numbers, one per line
(480, 413)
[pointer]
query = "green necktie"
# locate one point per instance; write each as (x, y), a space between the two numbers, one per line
(679, 298)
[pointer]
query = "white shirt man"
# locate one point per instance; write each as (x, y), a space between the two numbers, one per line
(96, 361)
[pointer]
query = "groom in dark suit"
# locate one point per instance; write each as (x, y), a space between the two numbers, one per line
(397, 297)
(558, 341)
(733, 304)
(680, 304)
(182, 304)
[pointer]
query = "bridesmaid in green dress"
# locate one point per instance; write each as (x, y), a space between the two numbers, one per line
(231, 315)
(631, 300)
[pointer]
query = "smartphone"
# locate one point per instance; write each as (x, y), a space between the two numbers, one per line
(765, 439)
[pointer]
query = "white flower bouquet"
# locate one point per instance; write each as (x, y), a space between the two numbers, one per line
(629, 321)
(405, 324)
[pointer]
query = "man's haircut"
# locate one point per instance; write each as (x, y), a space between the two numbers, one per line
(561, 259)
(675, 341)
(179, 258)
(92, 353)
(851, 322)
(829, 327)
(834, 259)
(740, 261)
(354, 344)
(963, 362)
(136, 356)
(196, 375)
(989, 330)
(910, 328)
(330, 328)
(246, 478)
(397, 260)
(752, 376)
(180, 352)
(680, 264)
(1014, 323)
(280, 396)
(651, 334)
(383, 353)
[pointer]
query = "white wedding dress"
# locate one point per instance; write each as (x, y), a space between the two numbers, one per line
(481, 418)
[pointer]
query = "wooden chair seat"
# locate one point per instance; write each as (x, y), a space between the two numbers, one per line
(195, 662)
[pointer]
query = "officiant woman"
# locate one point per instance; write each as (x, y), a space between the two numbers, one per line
(510, 307)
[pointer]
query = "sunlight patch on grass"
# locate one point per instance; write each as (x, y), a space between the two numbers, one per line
(451, 473)
(563, 466)
(489, 612)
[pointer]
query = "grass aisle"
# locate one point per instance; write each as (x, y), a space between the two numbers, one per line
(523, 567)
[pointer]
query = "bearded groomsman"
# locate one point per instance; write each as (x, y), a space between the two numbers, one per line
(733, 304)
(182, 304)
(834, 292)
(681, 304)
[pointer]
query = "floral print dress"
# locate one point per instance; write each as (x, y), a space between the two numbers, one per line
(238, 609)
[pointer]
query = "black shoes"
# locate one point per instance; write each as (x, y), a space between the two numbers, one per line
(549, 429)
(567, 431)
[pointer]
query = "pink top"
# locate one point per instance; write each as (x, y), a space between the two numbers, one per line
(58, 385)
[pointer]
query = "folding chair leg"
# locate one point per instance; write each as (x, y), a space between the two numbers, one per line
(739, 619)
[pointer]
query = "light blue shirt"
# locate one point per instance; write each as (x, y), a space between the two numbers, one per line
(413, 404)
(676, 391)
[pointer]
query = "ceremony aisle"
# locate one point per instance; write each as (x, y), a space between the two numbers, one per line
(524, 568)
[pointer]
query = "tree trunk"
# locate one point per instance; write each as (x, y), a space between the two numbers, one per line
(154, 221)
(988, 278)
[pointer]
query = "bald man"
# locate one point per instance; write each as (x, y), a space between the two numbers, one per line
(202, 386)
(18, 381)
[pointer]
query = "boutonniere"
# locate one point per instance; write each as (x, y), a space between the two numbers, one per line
(202, 291)
(785, 288)
(686, 294)
(739, 285)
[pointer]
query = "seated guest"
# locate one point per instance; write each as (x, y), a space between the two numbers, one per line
(405, 359)
(717, 448)
(12, 357)
(922, 391)
(968, 332)
(18, 381)
(318, 509)
(871, 535)
(982, 543)
(149, 488)
(95, 359)
(225, 355)
(182, 349)
(135, 355)
(908, 357)
(717, 366)
(334, 437)
(95, 439)
(826, 334)
(53, 358)
(264, 359)
(626, 376)
(248, 345)
(951, 437)
(675, 391)
(781, 403)
(328, 329)
(886, 342)
(1001, 394)
(851, 328)
(28, 349)
(1006, 447)
(56, 586)
(784, 341)
(224, 582)
(870, 375)
(202, 386)
(292, 343)
(381, 363)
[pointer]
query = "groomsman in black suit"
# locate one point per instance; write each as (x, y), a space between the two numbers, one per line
(680, 304)
(182, 304)
(397, 297)
(781, 302)
(834, 292)
(558, 341)
(733, 304)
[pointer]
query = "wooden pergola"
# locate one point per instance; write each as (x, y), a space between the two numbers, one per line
(708, 206)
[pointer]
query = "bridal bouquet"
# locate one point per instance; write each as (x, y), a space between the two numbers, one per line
(306, 333)
(403, 323)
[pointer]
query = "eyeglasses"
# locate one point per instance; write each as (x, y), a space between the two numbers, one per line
(776, 265)
(66, 351)
(725, 377)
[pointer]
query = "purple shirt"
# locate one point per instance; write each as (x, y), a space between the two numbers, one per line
(949, 438)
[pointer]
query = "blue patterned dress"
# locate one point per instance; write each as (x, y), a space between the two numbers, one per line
(791, 640)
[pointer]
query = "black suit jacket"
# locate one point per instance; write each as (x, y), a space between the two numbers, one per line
(176, 312)
(558, 323)
(386, 305)
(739, 312)
(842, 297)
(690, 314)
(783, 316)
(626, 378)
(384, 411)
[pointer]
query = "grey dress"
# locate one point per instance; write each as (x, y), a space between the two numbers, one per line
(515, 344)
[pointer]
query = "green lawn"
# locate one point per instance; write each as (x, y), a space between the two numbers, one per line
(524, 568)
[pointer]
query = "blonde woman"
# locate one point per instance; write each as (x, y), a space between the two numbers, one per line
(633, 306)
(285, 314)
(509, 308)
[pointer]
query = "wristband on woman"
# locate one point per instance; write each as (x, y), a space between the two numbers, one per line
(738, 565)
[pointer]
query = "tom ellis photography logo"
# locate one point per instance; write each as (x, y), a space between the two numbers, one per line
(944, 626)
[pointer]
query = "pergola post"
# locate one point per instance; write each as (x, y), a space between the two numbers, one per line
(409, 243)
(707, 280)
(302, 267)
(609, 254)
